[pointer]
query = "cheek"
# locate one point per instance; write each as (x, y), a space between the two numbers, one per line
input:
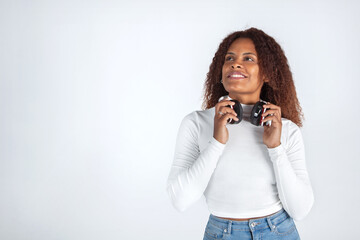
(254, 71)
(223, 70)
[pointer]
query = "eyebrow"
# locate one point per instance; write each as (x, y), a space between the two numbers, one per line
(247, 53)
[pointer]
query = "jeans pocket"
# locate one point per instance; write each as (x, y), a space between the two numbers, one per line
(213, 232)
(285, 227)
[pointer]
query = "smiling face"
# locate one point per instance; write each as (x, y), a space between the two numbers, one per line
(240, 72)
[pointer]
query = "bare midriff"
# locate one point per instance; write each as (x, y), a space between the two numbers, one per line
(244, 219)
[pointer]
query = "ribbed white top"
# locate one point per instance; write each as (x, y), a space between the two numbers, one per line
(242, 178)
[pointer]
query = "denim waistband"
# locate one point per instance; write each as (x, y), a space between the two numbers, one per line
(252, 224)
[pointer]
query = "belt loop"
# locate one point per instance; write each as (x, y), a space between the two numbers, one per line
(272, 227)
(229, 227)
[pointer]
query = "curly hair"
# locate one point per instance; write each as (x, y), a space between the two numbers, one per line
(273, 64)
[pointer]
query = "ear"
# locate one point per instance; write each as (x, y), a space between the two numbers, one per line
(265, 79)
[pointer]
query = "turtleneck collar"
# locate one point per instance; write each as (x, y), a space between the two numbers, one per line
(247, 108)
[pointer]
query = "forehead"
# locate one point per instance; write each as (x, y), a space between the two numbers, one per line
(242, 45)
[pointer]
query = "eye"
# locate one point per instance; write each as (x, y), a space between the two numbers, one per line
(249, 58)
(228, 58)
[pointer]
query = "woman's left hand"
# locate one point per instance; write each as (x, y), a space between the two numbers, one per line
(272, 134)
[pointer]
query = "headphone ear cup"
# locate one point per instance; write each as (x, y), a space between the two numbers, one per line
(255, 116)
(239, 110)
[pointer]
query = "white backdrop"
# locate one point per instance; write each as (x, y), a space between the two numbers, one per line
(92, 94)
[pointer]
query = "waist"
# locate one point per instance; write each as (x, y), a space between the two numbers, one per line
(247, 219)
(272, 222)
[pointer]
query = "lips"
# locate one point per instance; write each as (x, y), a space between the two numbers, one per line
(236, 74)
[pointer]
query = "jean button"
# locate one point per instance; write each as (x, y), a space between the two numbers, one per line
(253, 224)
(225, 230)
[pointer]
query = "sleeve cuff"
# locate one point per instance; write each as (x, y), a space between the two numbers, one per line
(276, 152)
(220, 146)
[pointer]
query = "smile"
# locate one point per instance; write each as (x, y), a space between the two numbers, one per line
(236, 75)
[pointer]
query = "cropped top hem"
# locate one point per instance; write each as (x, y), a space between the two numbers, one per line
(253, 214)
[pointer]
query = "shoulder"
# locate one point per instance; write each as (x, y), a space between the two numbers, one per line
(290, 127)
(287, 123)
(193, 122)
(292, 133)
(200, 116)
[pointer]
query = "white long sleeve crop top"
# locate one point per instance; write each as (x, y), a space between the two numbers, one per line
(242, 178)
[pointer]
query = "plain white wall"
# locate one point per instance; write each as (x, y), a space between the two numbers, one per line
(92, 94)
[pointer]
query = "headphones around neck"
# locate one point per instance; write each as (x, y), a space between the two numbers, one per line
(255, 116)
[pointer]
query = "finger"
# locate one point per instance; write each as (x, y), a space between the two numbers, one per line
(225, 106)
(272, 118)
(274, 112)
(226, 109)
(225, 118)
(271, 106)
(223, 103)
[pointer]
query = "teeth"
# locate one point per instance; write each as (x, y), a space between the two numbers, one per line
(237, 75)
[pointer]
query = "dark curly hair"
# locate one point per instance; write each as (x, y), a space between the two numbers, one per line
(273, 64)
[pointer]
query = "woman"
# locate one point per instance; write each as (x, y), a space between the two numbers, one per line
(254, 177)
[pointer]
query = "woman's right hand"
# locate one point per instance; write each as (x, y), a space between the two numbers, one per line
(220, 120)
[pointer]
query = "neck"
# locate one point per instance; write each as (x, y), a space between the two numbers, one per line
(245, 99)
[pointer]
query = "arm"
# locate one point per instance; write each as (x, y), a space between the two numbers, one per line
(191, 170)
(292, 180)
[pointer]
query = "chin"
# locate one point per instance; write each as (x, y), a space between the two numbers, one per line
(238, 90)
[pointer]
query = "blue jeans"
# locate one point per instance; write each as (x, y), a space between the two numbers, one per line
(276, 226)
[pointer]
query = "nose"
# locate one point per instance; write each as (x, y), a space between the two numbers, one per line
(236, 65)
